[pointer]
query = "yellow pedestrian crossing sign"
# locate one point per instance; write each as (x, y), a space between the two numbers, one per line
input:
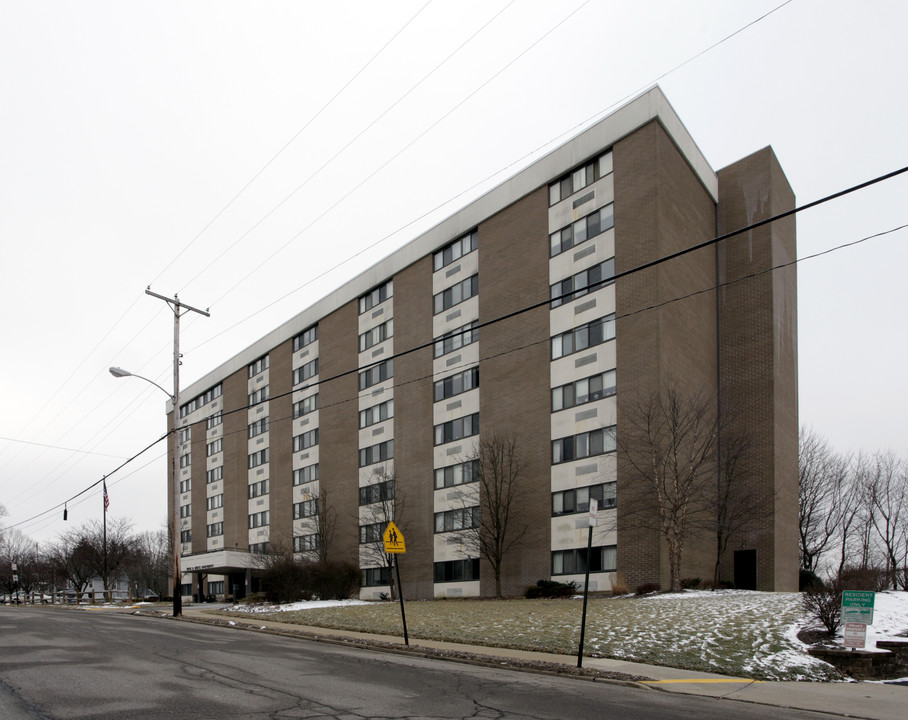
(394, 539)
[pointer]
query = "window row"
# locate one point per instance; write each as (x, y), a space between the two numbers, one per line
(184, 435)
(259, 427)
(583, 391)
(456, 339)
(456, 570)
(306, 337)
(582, 230)
(307, 508)
(185, 460)
(186, 536)
(456, 294)
(376, 374)
(458, 519)
(258, 366)
(215, 529)
(574, 562)
(372, 532)
(376, 453)
(305, 406)
(309, 370)
(577, 500)
(259, 519)
(261, 548)
(214, 474)
(257, 489)
(588, 444)
(259, 458)
(581, 177)
(459, 474)
(201, 400)
(215, 502)
(376, 296)
(305, 441)
(586, 281)
(305, 475)
(458, 429)
(305, 543)
(214, 420)
(583, 337)
(375, 577)
(186, 510)
(213, 448)
(259, 396)
(376, 414)
(456, 384)
(379, 492)
(378, 334)
(185, 485)
(455, 250)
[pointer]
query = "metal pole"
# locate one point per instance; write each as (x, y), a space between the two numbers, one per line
(400, 594)
(586, 594)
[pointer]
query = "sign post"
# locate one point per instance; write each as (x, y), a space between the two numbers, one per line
(594, 508)
(857, 614)
(395, 545)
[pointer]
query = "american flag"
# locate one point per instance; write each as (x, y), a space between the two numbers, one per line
(106, 499)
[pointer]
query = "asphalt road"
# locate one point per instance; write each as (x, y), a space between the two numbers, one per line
(58, 663)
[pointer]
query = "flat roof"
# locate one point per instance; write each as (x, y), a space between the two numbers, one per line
(650, 105)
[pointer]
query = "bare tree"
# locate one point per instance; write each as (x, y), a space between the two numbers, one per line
(17, 551)
(380, 502)
(150, 566)
(670, 441)
(497, 494)
(822, 481)
(326, 522)
(886, 492)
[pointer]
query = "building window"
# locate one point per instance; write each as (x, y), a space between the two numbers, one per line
(583, 391)
(376, 335)
(214, 474)
(259, 396)
(258, 366)
(259, 519)
(573, 562)
(375, 577)
(203, 399)
(260, 548)
(376, 414)
(456, 294)
(581, 177)
(307, 508)
(376, 296)
(459, 474)
(215, 502)
(371, 533)
(305, 441)
(457, 570)
(306, 337)
(456, 339)
(583, 337)
(186, 460)
(215, 587)
(309, 370)
(185, 510)
(459, 519)
(457, 429)
(582, 230)
(214, 420)
(376, 453)
(305, 406)
(455, 250)
(185, 435)
(306, 474)
(583, 445)
(577, 500)
(259, 427)
(305, 543)
(379, 492)
(215, 529)
(186, 485)
(259, 458)
(376, 374)
(186, 536)
(213, 448)
(456, 384)
(587, 281)
(259, 488)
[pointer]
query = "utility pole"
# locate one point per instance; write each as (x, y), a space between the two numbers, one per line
(179, 309)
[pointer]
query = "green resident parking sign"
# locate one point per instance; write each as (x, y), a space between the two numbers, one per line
(857, 606)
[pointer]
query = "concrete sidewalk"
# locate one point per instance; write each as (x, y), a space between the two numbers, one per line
(856, 699)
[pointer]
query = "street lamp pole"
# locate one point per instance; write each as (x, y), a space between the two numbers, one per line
(179, 309)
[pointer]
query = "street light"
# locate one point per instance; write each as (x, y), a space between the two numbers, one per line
(178, 578)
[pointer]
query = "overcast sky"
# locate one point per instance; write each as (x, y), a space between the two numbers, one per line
(254, 156)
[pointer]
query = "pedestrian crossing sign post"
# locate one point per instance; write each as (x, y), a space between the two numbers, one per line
(394, 540)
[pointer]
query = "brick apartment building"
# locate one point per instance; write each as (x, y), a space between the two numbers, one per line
(385, 387)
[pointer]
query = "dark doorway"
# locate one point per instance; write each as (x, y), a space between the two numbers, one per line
(746, 569)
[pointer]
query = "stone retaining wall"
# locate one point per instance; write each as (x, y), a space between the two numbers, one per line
(864, 665)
